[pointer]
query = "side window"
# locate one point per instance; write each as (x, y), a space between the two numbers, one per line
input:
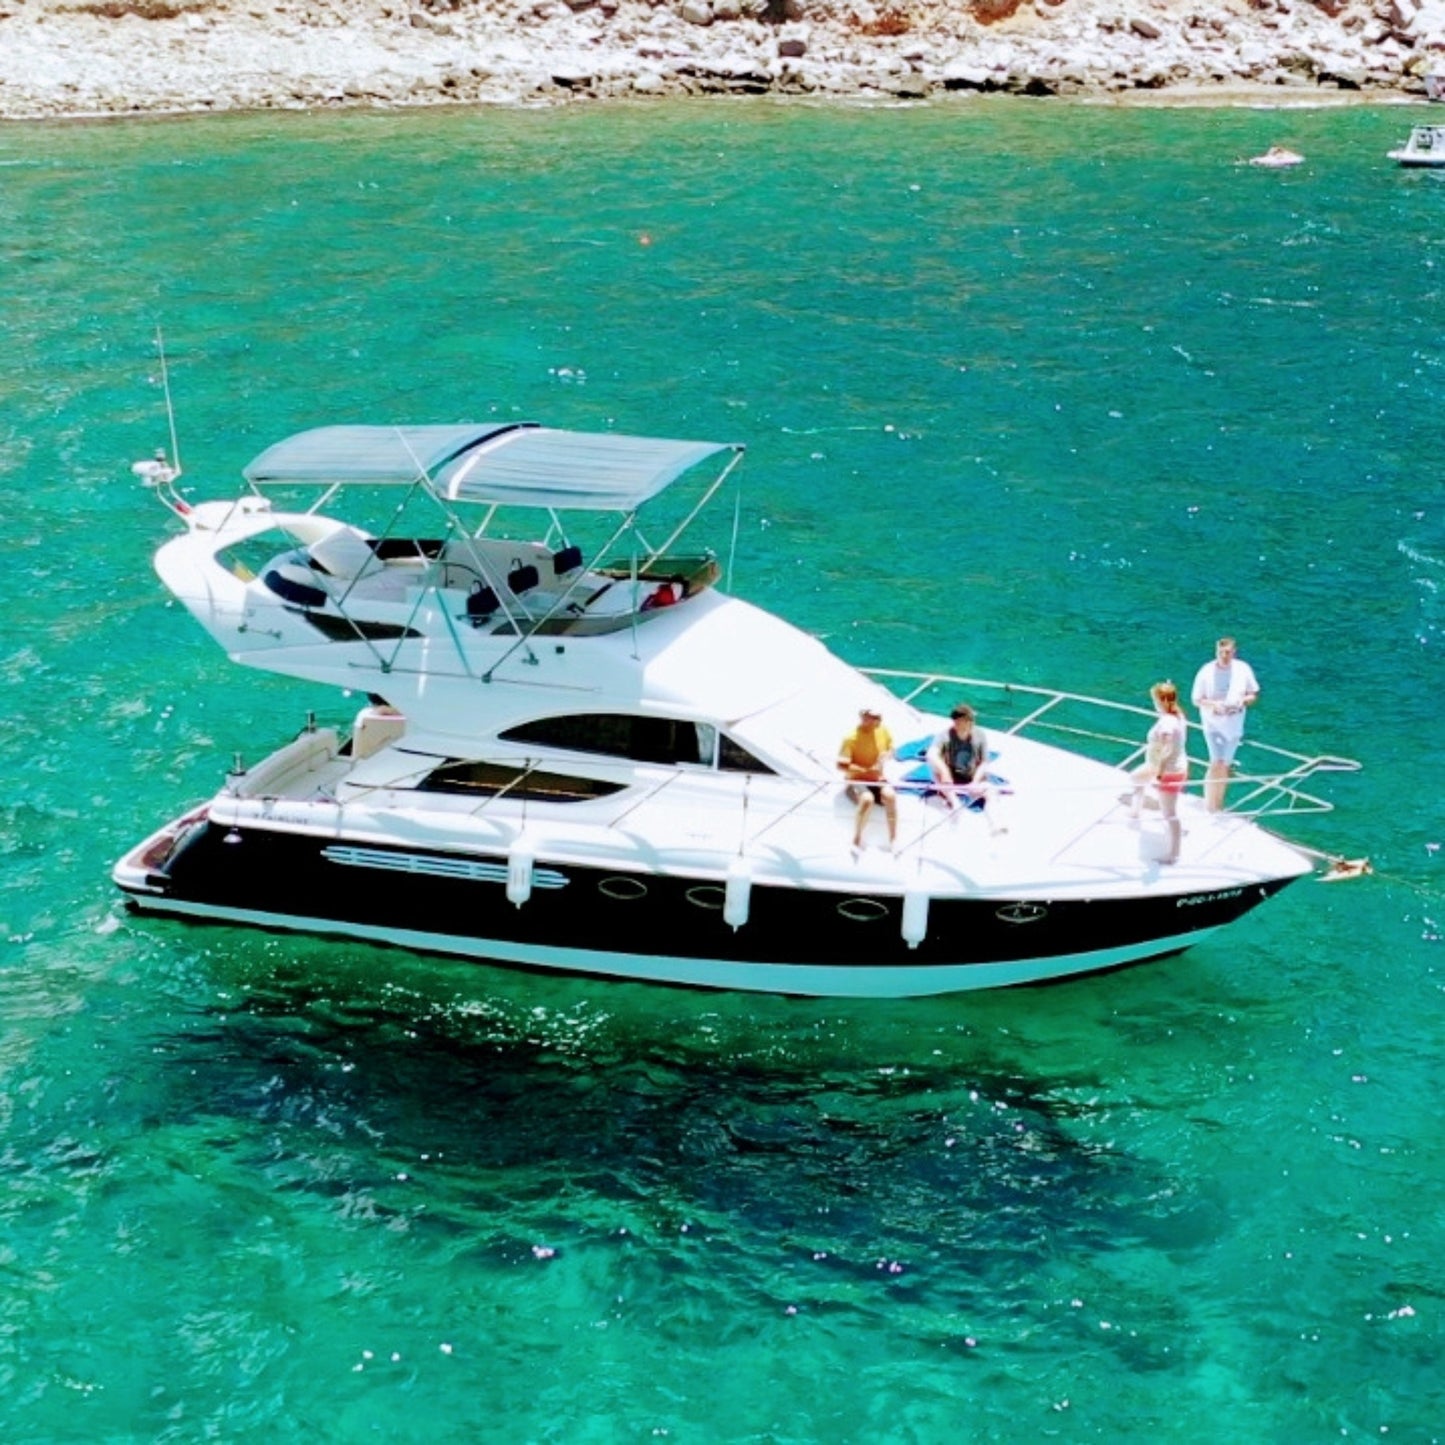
(641, 739)
(619, 735)
(735, 758)
(604, 733)
(663, 740)
(706, 744)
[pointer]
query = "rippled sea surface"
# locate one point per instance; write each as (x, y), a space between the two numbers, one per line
(1043, 392)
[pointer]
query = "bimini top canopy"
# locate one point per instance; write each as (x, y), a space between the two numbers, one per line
(507, 465)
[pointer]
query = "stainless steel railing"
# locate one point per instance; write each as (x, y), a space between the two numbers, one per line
(1267, 781)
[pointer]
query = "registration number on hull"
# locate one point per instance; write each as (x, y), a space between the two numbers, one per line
(1195, 899)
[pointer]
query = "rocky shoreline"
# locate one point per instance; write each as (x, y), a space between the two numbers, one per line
(68, 58)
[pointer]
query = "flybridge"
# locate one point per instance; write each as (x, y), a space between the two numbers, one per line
(443, 587)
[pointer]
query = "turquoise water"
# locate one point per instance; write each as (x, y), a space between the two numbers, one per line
(1053, 393)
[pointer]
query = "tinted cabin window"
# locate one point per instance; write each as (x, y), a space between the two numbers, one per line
(640, 739)
(735, 758)
(485, 779)
(618, 735)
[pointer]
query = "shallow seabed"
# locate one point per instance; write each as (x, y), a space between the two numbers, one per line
(1054, 394)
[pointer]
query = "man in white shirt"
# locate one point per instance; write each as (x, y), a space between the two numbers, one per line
(1223, 689)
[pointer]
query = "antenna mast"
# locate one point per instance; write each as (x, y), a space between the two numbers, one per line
(170, 408)
(158, 471)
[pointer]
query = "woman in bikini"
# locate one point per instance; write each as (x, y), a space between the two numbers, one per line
(1166, 764)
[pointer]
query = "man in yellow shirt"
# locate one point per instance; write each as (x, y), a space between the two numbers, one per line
(860, 760)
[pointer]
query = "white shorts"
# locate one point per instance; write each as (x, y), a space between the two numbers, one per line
(1223, 735)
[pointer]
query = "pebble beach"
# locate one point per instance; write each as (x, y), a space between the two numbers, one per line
(89, 58)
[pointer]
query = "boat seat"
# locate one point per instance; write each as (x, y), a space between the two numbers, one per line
(375, 727)
(482, 601)
(344, 553)
(569, 559)
(522, 579)
(294, 583)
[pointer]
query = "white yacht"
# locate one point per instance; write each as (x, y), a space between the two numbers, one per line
(1424, 149)
(589, 758)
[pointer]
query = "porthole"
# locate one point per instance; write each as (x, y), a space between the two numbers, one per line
(1021, 912)
(863, 910)
(706, 895)
(625, 890)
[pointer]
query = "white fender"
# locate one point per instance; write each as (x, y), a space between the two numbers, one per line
(915, 917)
(738, 893)
(519, 872)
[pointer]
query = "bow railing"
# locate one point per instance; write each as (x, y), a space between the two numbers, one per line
(1267, 780)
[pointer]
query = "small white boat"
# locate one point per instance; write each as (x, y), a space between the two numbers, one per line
(1276, 158)
(582, 755)
(1425, 148)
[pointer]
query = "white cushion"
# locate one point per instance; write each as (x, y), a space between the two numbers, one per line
(343, 554)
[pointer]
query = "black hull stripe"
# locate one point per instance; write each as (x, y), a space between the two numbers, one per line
(673, 928)
(800, 980)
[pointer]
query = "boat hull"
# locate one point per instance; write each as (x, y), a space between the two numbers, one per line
(655, 927)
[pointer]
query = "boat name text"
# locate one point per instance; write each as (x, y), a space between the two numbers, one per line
(1196, 898)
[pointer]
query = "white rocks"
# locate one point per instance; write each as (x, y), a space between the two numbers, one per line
(55, 59)
(1429, 25)
(959, 75)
